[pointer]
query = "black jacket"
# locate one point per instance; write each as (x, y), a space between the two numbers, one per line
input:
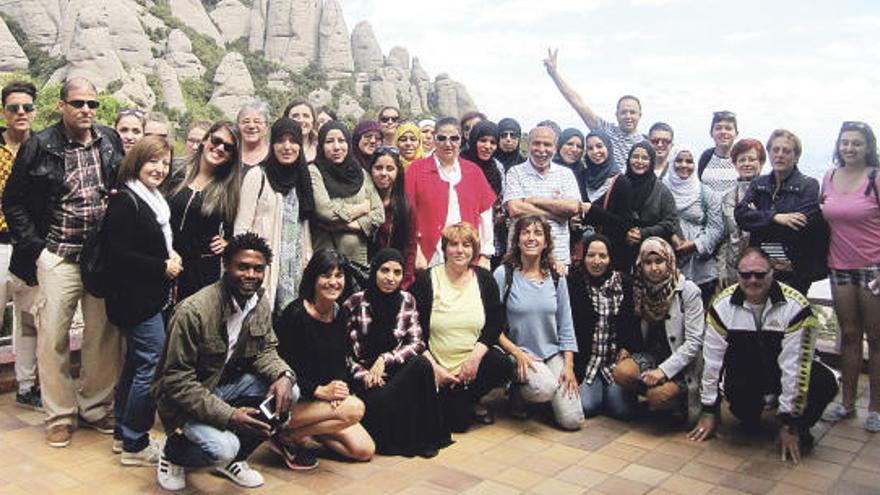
(423, 291)
(627, 326)
(136, 254)
(35, 186)
(615, 221)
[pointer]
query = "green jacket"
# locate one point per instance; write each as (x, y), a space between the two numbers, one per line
(194, 358)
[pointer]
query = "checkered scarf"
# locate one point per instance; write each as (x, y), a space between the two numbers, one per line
(606, 299)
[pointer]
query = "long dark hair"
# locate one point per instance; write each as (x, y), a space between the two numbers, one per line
(865, 130)
(513, 258)
(399, 206)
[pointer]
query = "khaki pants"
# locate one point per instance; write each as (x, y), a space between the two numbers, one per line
(60, 289)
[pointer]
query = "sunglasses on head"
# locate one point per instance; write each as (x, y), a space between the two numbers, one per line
(723, 115)
(441, 138)
(508, 135)
(92, 104)
(387, 150)
(131, 111)
(854, 124)
(17, 107)
(385, 119)
(218, 141)
(755, 275)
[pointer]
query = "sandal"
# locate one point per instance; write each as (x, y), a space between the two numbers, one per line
(837, 413)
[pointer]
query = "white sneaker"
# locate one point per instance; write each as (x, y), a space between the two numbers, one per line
(242, 474)
(171, 476)
(147, 456)
(117, 446)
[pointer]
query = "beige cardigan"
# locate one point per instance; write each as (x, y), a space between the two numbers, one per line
(329, 228)
(261, 213)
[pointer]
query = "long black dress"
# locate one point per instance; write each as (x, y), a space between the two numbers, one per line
(193, 232)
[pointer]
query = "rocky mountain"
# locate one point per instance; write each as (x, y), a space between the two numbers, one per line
(175, 54)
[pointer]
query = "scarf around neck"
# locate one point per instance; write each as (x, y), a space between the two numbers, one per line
(653, 299)
(157, 203)
(384, 308)
(642, 185)
(598, 175)
(342, 180)
(490, 169)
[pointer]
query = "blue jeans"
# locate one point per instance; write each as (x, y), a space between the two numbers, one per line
(134, 409)
(204, 445)
(616, 402)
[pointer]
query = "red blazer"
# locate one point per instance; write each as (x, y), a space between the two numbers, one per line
(428, 197)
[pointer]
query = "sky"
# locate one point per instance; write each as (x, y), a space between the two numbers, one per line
(805, 66)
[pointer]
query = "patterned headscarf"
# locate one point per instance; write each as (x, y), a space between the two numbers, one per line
(653, 299)
(403, 129)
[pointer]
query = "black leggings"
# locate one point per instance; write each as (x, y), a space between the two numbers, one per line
(458, 403)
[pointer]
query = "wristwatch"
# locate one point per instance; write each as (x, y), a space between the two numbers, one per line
(289, 375)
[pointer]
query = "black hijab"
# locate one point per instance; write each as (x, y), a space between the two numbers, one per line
(384, 309)
(490, 170)
(642, 185)
(344, 179)
(509, 158)
(283, 178)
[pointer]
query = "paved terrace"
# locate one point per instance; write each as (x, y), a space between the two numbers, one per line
(508, 457)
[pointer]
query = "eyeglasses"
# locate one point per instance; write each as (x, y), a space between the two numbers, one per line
(387, 150)
(385, 119)
(92, 104)
(659, 141)
(755, 275)
(17, 107)
(441, 138)
(227, 147)
(509, 135)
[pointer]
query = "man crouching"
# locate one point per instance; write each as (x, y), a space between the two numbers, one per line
(215, 369)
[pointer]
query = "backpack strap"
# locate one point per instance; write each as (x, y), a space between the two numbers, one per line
(508, 283)
(704, 205)
(872, 185)
(608, 192)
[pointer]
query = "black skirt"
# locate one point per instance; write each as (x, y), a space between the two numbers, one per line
(404, 415)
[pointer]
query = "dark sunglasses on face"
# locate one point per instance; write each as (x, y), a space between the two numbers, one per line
(508, 135)
(92, 104)
(684, 160)
(659, 141)
(755, 275)
(218, 141)
(385, 119)
(441, 138)
(15, 108)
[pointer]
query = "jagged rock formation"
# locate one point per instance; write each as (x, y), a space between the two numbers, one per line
(125, 44)
(12, 57)
(233, 85)
(233, 19)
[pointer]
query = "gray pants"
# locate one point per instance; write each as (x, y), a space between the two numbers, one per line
(542, 385)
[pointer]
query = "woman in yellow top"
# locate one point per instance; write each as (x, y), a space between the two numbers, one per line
(460, 313)
(408, 140)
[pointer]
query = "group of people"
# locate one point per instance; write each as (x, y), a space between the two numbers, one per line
(362, 291)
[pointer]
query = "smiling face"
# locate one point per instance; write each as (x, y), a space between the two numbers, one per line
(304, 117)
(639, 161)
(684, 164)
(542, 146)
(629, 112)
(369, 142)
(384, 172)
(427, 138)
(388, 276)
(286, 150)
(408, 144)
(661, 141)
(329, 286)
(597, 152)
(130, 130)
(19, 119)
(655, 268)
(459, 253)
(596, 259)
(447, 143)
(572, 150)
(154, 171)
(532, 240)
(755, 289)
(216, 155)
(486, 147)
(748, 164)
(782, 156)
(335, 146)
(245, 272)
(853, 147)
(252, 127)
(723, 133)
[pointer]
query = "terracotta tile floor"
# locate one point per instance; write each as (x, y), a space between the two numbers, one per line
(509, 457)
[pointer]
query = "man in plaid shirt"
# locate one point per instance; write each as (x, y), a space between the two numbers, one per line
(54, 199)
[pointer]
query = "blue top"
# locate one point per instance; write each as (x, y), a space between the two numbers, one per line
(538, 314)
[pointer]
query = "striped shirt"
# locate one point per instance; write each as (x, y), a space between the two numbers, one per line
(523, 181)
(620, 141)
(720, 174)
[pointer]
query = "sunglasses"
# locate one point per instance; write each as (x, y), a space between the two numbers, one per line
(15, 108)
(850, 124)
(723, 115)
(131, 111)
(659, 141)
(755, 275)
(387, 150)
(684, 160)
(441, 138)
(509, 135)
(386, 119)
(92, 104)
(218, 141)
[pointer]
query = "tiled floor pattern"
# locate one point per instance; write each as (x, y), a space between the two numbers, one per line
(509, 457)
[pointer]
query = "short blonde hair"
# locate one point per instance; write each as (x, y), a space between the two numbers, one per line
(461, 231)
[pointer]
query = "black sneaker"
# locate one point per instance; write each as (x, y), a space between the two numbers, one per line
(30, 399)
(296, 459)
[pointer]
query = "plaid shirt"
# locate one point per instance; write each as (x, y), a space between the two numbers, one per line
(82, 200)
(6, 159)
(407, 332)
(606, 301)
